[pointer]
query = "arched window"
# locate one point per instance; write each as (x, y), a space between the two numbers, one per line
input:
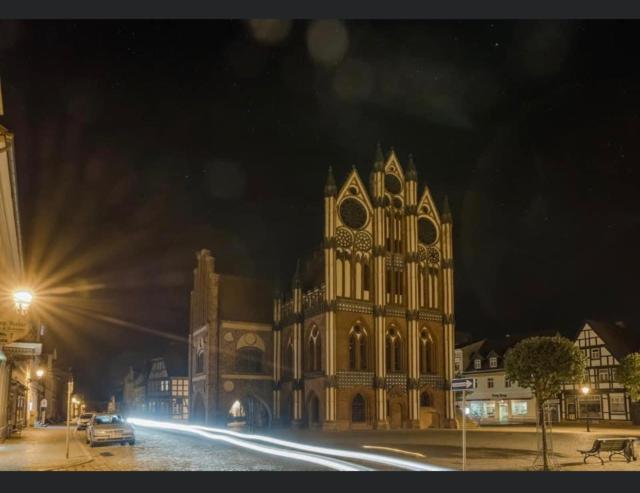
(425, 399)
(427, 352)
(315, 350)
(357, 348)
(393, 350)
(249, 360)
(358, 409)
(200, 361)
(365, 274)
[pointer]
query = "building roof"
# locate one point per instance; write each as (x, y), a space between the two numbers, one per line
(619, 339)
(498, 347)
(245, 299)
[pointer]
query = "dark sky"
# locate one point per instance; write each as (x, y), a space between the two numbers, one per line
(140, 142)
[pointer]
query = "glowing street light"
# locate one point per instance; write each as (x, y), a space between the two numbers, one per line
(22, 299)
(39, 373)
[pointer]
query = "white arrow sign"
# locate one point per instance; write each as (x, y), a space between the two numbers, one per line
(459, 384)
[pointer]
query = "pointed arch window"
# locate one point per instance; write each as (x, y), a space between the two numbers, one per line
(393, 350)
(365, 274)
(357, 348)
(315, 350)
(358, 409)
(427, 352)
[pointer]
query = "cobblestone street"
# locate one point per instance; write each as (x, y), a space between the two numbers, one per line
(489, 448)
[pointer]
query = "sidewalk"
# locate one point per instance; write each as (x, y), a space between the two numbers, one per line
(42, 449)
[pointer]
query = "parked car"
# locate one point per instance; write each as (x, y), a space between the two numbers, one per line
(109, 428)
(83, 421)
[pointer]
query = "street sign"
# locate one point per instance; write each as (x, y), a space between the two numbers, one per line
(460, 384)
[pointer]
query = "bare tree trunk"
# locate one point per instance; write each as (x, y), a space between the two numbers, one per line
(543, 427)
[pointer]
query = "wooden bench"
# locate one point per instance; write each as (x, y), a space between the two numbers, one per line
(614, 446)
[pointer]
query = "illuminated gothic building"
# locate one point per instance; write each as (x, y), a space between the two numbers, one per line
(365, 338)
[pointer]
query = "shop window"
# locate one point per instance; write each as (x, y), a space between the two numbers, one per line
(519, 408)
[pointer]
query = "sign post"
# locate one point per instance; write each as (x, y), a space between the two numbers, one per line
(463, 385)
(69, 392)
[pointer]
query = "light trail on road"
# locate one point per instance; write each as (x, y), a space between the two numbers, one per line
(322, 461)
(347, 454)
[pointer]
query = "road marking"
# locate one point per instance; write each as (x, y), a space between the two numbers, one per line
(400, 451)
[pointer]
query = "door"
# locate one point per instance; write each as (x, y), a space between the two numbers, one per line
(503, 412)
(396, 415)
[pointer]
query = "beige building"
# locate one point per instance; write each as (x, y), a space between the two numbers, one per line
(365, 337)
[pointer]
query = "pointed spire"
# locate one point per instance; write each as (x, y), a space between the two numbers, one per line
(378, 164)
(296, 276)
(330, 189)
(412, 173)
(446, 211)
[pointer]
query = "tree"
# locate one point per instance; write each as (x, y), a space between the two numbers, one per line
(544, 364)
(628, 374)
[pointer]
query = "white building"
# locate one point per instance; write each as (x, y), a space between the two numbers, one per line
(604, 344)
(495, 400)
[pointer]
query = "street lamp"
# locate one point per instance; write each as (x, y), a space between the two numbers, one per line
(39, 373)
(585, 391)
(22, 299)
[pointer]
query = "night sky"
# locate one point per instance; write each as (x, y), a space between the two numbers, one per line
(138, 143)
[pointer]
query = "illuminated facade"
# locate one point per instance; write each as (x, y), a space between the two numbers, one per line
(365, 338)
(604, 345)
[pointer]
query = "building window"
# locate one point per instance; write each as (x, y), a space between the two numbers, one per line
(358, 409)
(603, 375)
(315, 350)
(164, 386)
(249, 360)
(482, 409)
(427, 353)
(595, 353)
(493, 362)
(519, 408)
(357, 349)
(616, 403)
(507, 383)
(393, 350)
(200, 361)
(477, 364)
(490, 382)
(425, 399)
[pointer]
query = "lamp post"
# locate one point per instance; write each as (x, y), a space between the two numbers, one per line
(42, 404)
(585, 391)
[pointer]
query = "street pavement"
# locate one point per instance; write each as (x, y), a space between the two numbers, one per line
(489, 448)
(42, 449)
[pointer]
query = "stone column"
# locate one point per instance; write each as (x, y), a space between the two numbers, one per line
(411, 277)
(329, 346)
(379, 290)
(448, 307)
